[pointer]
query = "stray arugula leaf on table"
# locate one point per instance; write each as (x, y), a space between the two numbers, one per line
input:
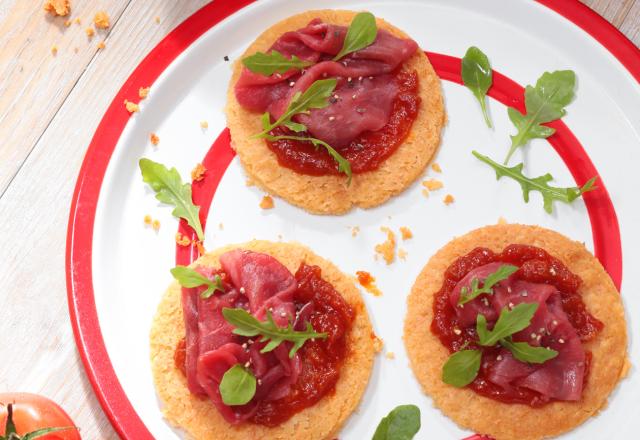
(188, 277)
(315, 97)
(540, 184)
(477, 76)
(169, 189)
(273, 62)
(502, 273)
(248, 325)
(544, 103)
(402, 423)
(238, 386)
(462, 366)
(362, 32)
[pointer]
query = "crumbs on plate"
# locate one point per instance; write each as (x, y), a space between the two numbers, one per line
(101, 20)
(406, 233)
(267, 202)
(154, 139)
(367, 281)
(197, 174)
(90, 32)
(57, 7)
(143, 92)
(131, 107)
(435, 167)
(204, 124)
(387, 249)
(448, 199)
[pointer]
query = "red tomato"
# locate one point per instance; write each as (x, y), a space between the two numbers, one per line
(32, 412)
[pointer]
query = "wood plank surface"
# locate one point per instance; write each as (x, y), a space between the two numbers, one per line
(50, 106)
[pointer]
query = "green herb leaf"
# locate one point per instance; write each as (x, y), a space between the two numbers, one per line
(527, 353)
(544, 103)
(188, 277)
(273, 62)
(540, 184)
(238, 386)
(247, 325)
(462, 367)
(170, 190)
(508, 323)
(478, 77)
(502, 273)
(361, 33)
(402, 423)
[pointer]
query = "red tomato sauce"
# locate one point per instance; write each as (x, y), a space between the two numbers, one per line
(321, 359)
(537, 266)
(364, 153)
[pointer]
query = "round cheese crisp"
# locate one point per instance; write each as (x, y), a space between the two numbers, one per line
(516, 421)
(201, 419)
(331, 194)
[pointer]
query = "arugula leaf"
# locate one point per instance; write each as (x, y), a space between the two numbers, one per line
(508, 323)
(462, 367)
(502, 273)
(273, 62)
(316, 96)
(238, 386)
(527, 353)
(402, 423)
(188, 277)
(477, 76)
(540, 184)
(361, 33)
(544, 103)
(170, 190)
(247, 325)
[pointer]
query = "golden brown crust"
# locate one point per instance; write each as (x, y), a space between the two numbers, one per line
(330, 194)
(514, 421)
(200, 418)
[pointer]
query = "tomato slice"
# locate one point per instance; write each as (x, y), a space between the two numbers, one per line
(32, 412)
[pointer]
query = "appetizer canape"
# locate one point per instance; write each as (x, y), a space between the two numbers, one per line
(516, 332)
(266, 341)
(331, 109)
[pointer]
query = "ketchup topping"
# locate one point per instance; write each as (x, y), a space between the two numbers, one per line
(367, 151)
(535, 265)
(321, 359)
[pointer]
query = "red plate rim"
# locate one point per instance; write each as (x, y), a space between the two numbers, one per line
(82, 308)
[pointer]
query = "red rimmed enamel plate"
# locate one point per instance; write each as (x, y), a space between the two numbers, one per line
(117, 270)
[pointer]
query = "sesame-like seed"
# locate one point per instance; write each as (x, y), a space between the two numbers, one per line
(533, 335)
(349, 79)
(554, 322)
(242, 290)
(511, 306)
(371, 77)
(278, 75)
(336, 96)
(250, 341)
(331, 118)
(524, 293)
(246, 364)
(283, 314)
(552, 271)
(259, 381)
(499, 358)
(542, 329)
(509, 289)
(538, 337)
(561, 341)
(292, 83)
(324, 75)
(353, 96)
(359, 78)
(457, 331)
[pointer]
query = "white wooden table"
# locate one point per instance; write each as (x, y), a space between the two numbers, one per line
(50, 105)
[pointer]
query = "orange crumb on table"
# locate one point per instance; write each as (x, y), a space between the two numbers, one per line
(402, 254)
(101, 20)
(154, 139)
(390, 355)
(143, 92)
(57, 7)
(148, 220)
(425, 192)
(266, 202)
(367, 281)
(448, 199)
(221, 226)
(355, 231)
(502, 220)
(67, 23)
(388, 248)
(77, 20)
(157, 20)
(101, 45)
(132, 107)
(435, 167)
(204, 124)
(156, 225)
(182, 240)
(406, 233)
(197, 174)
(90, 32)
(432, 184)
(75, 50)
(54, 50)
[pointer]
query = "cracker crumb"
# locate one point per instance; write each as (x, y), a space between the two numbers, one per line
(182, 240)
(147, 220)
(377, 343)
(67, 23)
(90, 32)
(221, 226)
(143, 92)
(54, 50)
(156, 225)
(60, 8)
(132, 107)
(77, 20)
(197, 174)
(448, 199)
(101, 20)
(204, 124)
(367, 281)
(154, 139)
(388, 248)
(76, 49)
(402, 254)
(425, 192)
(267, 202)
(101, 45)
(435, 167)
(157, 20)
(502, 220)
(406, 233)
(390, 355)
(432, 184)
(355, 231)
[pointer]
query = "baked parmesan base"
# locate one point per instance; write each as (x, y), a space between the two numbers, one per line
(330, 194)
(200, 419)
(515, 421)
